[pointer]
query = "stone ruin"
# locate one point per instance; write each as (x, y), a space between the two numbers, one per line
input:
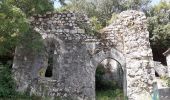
(167, 54)
(71, 57)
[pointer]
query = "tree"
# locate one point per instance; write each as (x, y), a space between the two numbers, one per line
(30, 7)
(14, 25)
(103, 9)
(135, 4)
(159, 30)
(159, 24)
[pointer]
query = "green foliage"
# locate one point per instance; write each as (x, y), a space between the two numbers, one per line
(103, 9)
(89, 29)
(110, 95)
(12, 23)
(14, 26)
(62, 9)
(113, 18)
(135, 4)
(23, 96)
(159, 24)
(7, 85)
(96, 25)
(102, 84)
(30, 7)
(99, 73)
(168, 81)
(161, 6)
(35, 41)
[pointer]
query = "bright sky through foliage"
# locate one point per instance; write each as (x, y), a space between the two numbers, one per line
(155, 2)
(57, 4)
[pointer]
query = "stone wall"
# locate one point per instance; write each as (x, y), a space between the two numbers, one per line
(167, 54)
(130, 36)
(63, 25)
(168, 60)
(76, 56)
(160, 69)
(71, 73)
(168, 63)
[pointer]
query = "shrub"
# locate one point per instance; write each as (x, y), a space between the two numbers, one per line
(7, 85)
(96, 25)
(113, 18)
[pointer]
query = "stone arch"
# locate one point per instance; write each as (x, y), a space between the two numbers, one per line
(115, 55)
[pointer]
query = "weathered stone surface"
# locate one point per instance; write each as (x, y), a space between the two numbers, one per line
(130, 32)
(160, 69)
(168, 63)
(164, 94)
(167, 54)
(75, 56)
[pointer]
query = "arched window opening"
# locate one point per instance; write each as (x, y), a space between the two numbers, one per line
(49, 70)
(109, 80)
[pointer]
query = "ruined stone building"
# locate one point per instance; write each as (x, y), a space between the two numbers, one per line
(66, 65)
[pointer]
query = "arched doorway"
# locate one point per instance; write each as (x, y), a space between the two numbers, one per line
(109, 80)
(114, 55)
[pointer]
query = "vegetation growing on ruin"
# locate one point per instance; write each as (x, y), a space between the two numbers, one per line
(14, 17)
(7, 85)
(112, 94)
(107, 89)
(15, 29)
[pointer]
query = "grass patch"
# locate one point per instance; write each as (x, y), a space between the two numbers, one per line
(24, 96)
(110, 95)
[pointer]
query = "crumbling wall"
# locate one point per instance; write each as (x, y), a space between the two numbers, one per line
(75, 56)
(160, 69)
(130, 36)
(71, 74)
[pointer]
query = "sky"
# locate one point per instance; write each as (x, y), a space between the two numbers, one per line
(56, 4)
(154, 2)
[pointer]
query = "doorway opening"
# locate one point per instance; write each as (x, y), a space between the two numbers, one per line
(109, 80)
